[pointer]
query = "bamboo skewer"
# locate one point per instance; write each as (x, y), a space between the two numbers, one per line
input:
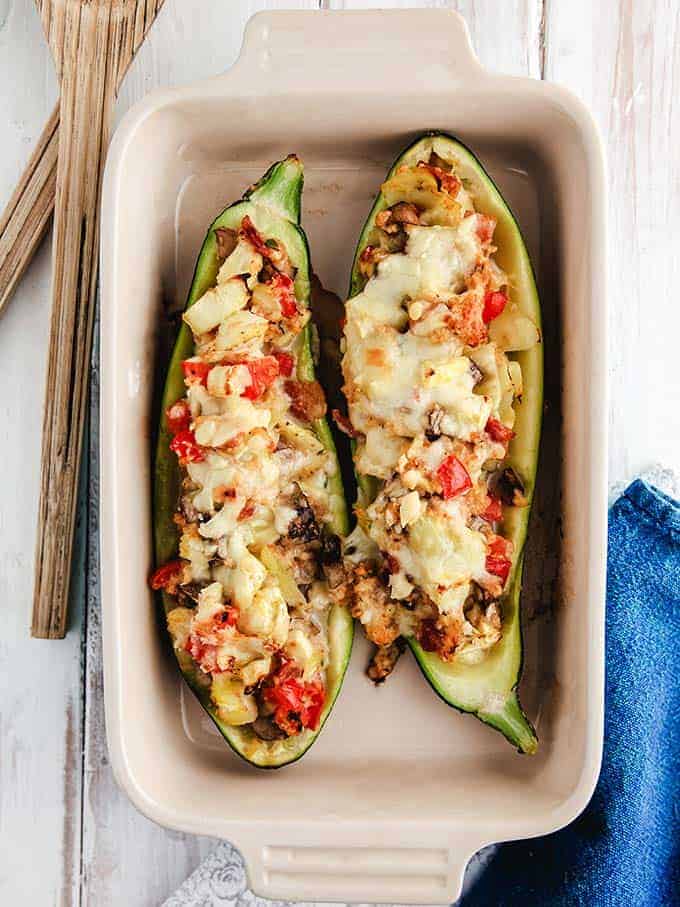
(26, 217)
(28, 212)
(92, 43)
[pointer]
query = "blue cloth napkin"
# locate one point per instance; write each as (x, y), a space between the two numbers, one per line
(624, 850)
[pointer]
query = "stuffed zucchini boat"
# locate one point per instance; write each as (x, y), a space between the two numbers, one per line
(249, 504)
(443, 377)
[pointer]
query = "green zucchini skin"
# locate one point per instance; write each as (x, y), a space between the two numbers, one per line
(487, 689)
(273, 204)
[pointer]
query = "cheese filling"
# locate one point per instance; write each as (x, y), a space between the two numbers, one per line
(252, 599)
(431, 392)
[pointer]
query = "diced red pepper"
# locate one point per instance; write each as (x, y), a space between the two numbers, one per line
(499, 432)
(166, 577)
(185, 446)
(447, 181)
(343, 423)
(286, 363)
(494, 303)
(295, 700)
(250, 232)
(484, 227)
(499, 546)
(203, 653)
(246, 512)
(228, 617)
(494, 511)
(196, 371)
(178, 416)
(453, 477)
(316, 698)
(263, 373)
(499, 566)
(283, 289)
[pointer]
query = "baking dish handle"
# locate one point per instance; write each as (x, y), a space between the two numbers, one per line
(286, 50)
(377, 872)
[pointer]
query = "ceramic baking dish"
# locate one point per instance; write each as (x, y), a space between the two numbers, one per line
(400, 790)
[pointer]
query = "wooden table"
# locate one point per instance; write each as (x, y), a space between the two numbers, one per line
(67, 835)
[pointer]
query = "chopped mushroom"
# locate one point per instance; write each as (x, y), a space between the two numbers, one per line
(510, 489)
(304, 526)
(267, 730)
(226, 242)
(307, 399)
(434, 423)
(384, 660)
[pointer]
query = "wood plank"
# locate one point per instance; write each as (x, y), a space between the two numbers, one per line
(40, 691)
(506, 36)
(623, 60)
(126, 858)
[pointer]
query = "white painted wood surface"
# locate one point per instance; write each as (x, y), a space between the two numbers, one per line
(67, 835)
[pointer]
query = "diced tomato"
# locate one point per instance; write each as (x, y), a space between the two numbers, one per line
(203, 653)
(499, 566)
(283, 289)
(250, 232)
(494, 303)
(246, 512)
(286, 363)
(484, 227)
(498, 432)
(195, 371)
(263, 373)
(453, 477)
(185, 446)
(228, 617)
(494, 512)
(203, 643)
(447, 181)
(499, 546)
(343, 423)
(178, 416)
(295, 701)
(167, 576)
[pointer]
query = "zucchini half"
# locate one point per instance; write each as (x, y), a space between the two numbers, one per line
(487, 688)
(273, 204)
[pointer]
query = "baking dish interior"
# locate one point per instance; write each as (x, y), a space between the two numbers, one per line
(395, 753)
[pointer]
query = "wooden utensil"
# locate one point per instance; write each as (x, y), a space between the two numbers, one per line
(27, 215)
(91, 42)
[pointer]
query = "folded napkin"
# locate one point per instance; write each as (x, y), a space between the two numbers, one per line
(624, 850)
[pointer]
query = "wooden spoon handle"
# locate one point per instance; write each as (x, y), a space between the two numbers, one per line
(27, 215)
(87, 92)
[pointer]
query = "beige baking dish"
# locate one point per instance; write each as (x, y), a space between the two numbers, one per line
(400, 790)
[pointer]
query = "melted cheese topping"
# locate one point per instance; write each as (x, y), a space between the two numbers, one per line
(424, 381)
(394, 378)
